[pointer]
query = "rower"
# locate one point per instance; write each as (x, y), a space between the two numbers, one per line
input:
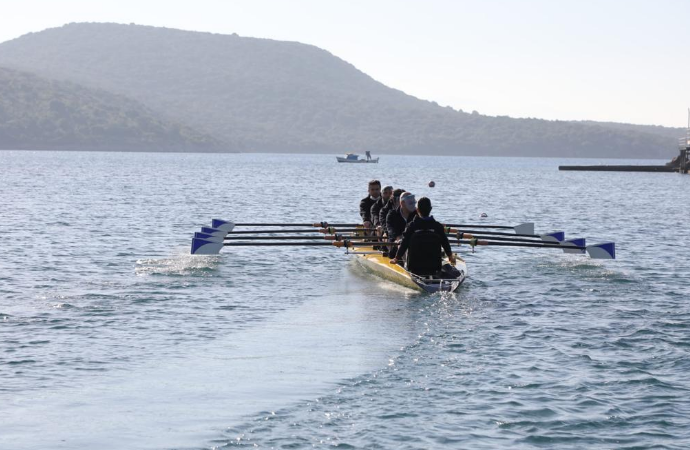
(423, 239)
(398, 219)
(393, 203)
(366, 203)
(386, 195)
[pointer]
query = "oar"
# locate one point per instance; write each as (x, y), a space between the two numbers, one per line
(492, 238)
(310, 230)
(599, 251)
(556, 235)
(276, 244)
(317, 224)
(472, 242)
(475, 242)
(208, 247)
(606, 250)
(568, 246)
(298, 238)
(523, 228)
(332, 230)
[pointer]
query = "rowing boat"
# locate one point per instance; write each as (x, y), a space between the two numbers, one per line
(360, 243)
(381, 266)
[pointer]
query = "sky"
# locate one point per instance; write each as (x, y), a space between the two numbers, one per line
(605, 60)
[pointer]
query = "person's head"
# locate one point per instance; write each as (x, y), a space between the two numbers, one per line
(375, 188)
(396, 197)
(424, 207)
(386, 193)
(408, 202)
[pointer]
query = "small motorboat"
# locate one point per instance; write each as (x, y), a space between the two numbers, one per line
(354, 158)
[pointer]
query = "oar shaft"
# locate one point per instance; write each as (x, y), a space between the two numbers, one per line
(310, 230)
(273, 238)
(497, 238)
(277, 244)
(344, 230)
(467, 225)
(297, 238)
(319, 224)
(496, 233)
(518, 244)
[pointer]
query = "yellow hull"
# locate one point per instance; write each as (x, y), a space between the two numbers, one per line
(382, 267)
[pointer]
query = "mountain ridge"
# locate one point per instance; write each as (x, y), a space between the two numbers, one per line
(38, 113)
(283, 96)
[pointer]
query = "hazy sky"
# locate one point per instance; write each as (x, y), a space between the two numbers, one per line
(614, 60)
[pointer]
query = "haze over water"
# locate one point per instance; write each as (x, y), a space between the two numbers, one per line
(112, 336)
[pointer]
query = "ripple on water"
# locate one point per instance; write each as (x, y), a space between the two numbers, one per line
(179, 265)
(536, 350)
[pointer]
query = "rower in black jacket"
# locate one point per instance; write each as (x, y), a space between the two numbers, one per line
(398, 219)
(366, 203)
(393, 203)
(420, 228)
(386, 195)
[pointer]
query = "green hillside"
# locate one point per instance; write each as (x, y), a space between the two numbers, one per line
(38, 113)
(285, 96)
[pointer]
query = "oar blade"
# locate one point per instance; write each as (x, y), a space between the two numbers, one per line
(606, 250)
(222, 225)
(214, 231)
(524, 228)
(204, 247)
(579, 242)
(208, 237)
(556, 236)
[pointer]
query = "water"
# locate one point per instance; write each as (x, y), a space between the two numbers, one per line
(112, 336)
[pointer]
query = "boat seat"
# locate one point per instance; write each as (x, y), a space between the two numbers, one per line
(424, 253)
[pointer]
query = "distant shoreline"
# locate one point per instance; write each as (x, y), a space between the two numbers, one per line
(330, 154)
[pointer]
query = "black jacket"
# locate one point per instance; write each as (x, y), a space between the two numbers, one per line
(383, 214)
(396, 223)
(419, 224)
(365, 208)
(375, 210)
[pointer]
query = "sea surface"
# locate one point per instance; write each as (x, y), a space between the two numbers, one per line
(113, 337)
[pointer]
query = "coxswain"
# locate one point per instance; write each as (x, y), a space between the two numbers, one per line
(398, 219)
(366, 203)
(424, 237)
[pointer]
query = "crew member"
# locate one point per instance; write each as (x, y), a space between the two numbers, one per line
(366, 203)
(398, 219)
(380, 203)
(424, 224)
(393, 203)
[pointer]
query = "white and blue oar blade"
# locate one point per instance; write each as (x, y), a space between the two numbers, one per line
(556, 236)
(204, 247)
(222, 225)
(579, 242)
(209, 237)
(524, 228)
(214, 231)
(606, 250)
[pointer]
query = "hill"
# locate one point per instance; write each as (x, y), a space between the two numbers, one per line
(286, 96)
(671, 133)
(37, 113)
